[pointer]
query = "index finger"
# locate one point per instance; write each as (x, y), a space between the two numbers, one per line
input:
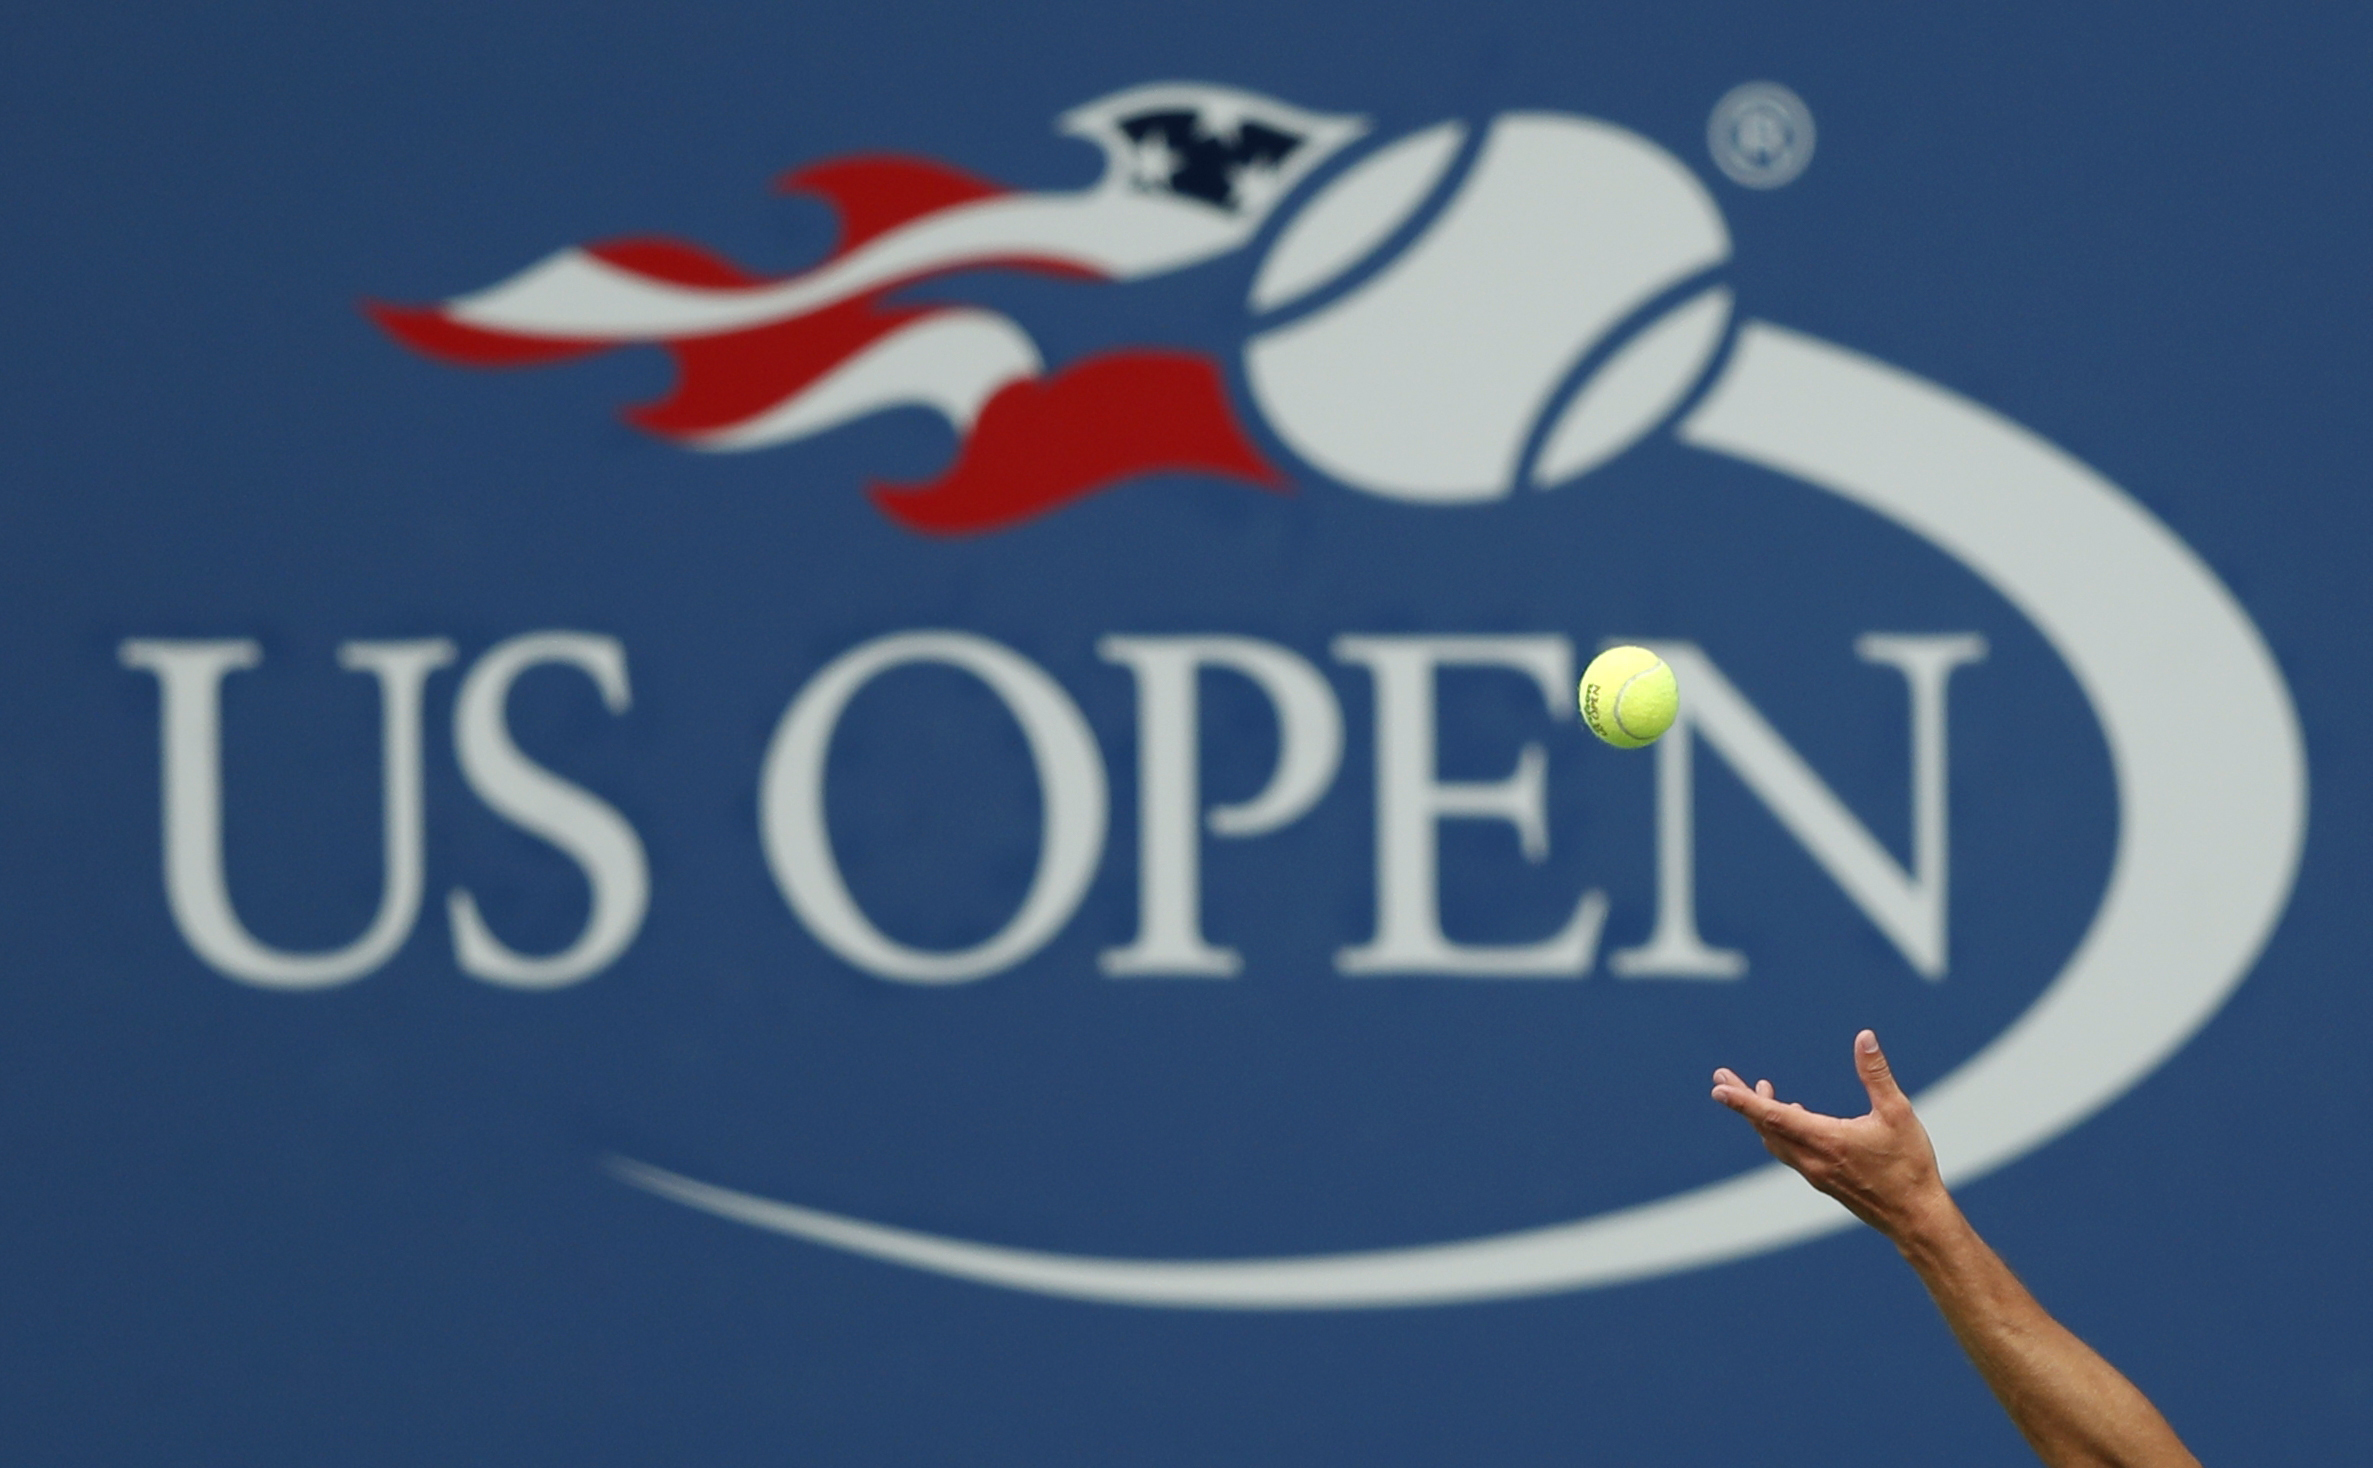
(1785, 1119)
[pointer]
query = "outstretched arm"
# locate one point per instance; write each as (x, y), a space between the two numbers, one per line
(2074, 1408)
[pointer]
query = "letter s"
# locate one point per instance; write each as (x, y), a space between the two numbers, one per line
(588, 830)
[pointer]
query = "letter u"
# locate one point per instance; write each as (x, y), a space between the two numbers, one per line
(189, 678)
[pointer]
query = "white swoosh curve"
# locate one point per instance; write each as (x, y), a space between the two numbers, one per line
(2212, 814)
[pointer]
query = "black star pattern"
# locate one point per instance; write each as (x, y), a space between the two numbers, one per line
(1203, 165)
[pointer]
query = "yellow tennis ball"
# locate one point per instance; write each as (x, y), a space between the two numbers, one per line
(1629, 697)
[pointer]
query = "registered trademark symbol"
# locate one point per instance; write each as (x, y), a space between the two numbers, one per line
(1761, 135)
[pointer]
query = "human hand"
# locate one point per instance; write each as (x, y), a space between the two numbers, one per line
(1880, 1165)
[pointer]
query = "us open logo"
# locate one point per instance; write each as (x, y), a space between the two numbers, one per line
(1447, 319)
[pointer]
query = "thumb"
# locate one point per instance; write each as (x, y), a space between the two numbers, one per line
(1877, 1078)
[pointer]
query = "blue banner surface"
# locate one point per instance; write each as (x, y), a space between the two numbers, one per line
(743, 734)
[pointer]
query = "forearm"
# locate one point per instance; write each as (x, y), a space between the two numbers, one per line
(2073, 1407)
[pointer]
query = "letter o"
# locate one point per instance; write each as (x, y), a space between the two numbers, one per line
(1070, 780)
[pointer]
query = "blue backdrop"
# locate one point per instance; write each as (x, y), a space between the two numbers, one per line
(380, 1218)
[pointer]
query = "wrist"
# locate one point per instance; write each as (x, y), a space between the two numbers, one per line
(1927, 1223)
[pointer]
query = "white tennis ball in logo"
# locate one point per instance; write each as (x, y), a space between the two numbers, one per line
(1429, 379)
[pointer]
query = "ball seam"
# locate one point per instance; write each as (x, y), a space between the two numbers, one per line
(1615, 704)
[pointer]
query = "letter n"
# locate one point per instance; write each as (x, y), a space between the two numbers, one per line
(1908, 906)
